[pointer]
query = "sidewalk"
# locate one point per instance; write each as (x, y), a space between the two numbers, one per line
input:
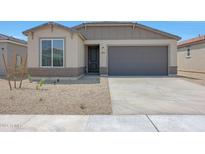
(104, 123)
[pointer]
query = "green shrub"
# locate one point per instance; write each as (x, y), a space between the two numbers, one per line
(40, 84)
(30, 78)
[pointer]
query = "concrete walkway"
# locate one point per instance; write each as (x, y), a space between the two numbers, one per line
(104, 123)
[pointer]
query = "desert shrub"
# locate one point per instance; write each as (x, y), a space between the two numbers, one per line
(40, 84)
(30, 78)
(82, 106)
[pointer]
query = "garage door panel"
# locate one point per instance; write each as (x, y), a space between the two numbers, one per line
(127, 60)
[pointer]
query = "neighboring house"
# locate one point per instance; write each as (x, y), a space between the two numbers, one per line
(191, 55)
(105, 48)
(9, 45)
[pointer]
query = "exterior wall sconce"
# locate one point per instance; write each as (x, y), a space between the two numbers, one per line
(188, 54)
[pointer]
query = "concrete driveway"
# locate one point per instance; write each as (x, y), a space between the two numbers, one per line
(156, 95)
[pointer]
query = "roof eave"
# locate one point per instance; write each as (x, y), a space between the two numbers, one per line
(81, 36)
(159, 31)
(189, 44)
(102, 24)
(15, 42)
(54, 24)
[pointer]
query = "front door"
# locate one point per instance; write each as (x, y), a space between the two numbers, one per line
(93, 59)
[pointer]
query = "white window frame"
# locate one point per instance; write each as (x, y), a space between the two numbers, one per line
(51, 39)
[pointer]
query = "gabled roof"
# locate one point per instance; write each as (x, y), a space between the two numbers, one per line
(121, 23)
(189, 42)
(12, 39)
(103, 23)
(53, 24)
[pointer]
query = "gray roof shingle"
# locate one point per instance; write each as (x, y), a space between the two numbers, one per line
(11, 38)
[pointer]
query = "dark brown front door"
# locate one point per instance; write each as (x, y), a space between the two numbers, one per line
(93, 59)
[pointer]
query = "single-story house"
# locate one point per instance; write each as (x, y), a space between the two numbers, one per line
(191, 55)
(9, 45)
(105, 48)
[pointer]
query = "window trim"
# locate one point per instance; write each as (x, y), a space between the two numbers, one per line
(51, 39)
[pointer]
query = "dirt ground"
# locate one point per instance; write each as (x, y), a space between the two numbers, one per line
(198, 78)
(89, 95)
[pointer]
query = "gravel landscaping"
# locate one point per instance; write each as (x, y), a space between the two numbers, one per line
(88, 95)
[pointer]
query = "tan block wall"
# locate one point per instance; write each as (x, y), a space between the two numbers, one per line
(56, 72)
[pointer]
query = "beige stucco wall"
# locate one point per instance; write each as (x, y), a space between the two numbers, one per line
(118, 33)
(104, 44)
(194, 63)
(18, 49)
(72, 46)
(81, 53)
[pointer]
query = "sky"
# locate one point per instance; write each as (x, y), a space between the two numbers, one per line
(184, 29)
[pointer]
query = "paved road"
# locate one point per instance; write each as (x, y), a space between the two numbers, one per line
(105, 123)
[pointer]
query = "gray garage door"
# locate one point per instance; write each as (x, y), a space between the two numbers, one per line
(137, 60)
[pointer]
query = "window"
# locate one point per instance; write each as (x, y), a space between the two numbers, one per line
(46, 53)
(188, 54)
(52, 52)
(57, 53)
(18, 60)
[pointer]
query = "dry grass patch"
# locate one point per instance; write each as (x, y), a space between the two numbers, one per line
(89, 95)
